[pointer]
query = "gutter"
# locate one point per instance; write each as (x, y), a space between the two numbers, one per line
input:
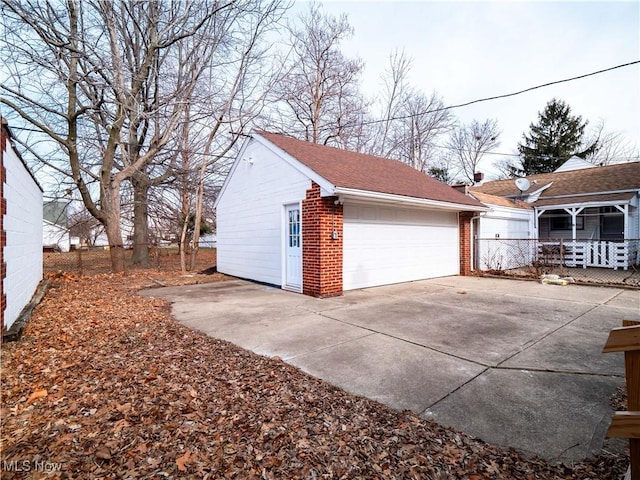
(587, 194)
(351, 193)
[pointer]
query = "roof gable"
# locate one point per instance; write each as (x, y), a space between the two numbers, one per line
(55, 211)
(359, 171)
(574, 163)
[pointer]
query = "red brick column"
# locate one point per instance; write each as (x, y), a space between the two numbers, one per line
(3, 211)
(464, 220)
(321, 253)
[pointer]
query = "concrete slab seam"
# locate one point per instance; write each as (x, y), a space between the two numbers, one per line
(562, 372)
(614, 297)
(423, 412)
(327, 347)
(532, 343)
(427, 347)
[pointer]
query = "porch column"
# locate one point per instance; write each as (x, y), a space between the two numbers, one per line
(625, 211)
(537, 221)
(574, 213)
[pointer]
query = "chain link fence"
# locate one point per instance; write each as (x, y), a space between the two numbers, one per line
(601, 262)
(92, 260)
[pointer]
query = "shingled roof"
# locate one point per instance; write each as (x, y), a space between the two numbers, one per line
(359, 171)
(575, 186)
(501, 201)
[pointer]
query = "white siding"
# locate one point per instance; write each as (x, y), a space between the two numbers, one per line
(23, 226)
(506, 238)
(505, 222)
(53, 234)
(250, 212)
(385, 245)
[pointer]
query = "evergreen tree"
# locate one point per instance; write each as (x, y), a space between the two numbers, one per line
(554, 139)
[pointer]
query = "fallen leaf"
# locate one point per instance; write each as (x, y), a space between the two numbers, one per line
(180, 461)
(123, 408)
(36, 395)
(104, 453)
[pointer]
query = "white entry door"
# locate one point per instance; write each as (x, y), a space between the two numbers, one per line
(293, 248)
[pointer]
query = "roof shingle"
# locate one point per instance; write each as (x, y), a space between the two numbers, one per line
(622, 176)
(502, 201)
(367, 172)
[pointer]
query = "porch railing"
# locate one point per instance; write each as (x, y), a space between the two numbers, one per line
(590, 253)
(501, 254)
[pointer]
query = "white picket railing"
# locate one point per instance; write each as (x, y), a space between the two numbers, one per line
(590, 253)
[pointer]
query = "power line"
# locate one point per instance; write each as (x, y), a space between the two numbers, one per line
(404, 117)
(495, 97)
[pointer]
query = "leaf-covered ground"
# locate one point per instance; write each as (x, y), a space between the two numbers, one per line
(105, 385)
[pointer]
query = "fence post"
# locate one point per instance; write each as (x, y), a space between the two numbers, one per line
(79, 251)
(627, 424)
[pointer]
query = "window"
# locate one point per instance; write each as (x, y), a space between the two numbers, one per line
(563, 222)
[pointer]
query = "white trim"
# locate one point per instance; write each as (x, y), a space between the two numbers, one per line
(604, 203)
(354, 194)
(587, 194)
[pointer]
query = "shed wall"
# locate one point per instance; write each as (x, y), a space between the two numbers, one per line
(23, 228)
(250, 214)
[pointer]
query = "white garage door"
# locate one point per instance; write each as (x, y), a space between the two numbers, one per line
(384, 245)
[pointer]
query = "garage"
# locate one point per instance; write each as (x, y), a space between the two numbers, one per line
(384, 245)
(320, 220)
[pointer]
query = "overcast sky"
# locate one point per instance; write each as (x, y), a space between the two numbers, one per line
(470, 50)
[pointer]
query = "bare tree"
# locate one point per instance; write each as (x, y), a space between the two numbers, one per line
(613, 147)
(318, 94)
(86, 75)
(392, 99)
(412, 123)
(231, 97)
(469, 143)
(418, 132)
(85, 226)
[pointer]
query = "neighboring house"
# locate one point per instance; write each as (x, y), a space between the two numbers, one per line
(592, 210)
(55, 232)
(321, 220)
(506, 219)
(21, 228)
(208, 241)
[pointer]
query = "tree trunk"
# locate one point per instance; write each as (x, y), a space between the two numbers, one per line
(111, 221)
(140, 223)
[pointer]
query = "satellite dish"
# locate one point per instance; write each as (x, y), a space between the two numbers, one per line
(523, 184)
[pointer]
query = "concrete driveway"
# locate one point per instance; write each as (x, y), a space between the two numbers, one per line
(514, 363)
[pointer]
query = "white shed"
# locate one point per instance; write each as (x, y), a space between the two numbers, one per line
(321, 220)
(510, 220)
(21, 230)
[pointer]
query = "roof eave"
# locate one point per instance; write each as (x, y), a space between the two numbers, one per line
(601, 203)
(351, 193)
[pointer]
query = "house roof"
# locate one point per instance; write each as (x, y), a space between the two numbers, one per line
(500, 201)
(359, 171)
(55, 211)
(608, 183)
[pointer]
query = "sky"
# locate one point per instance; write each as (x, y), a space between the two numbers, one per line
(470, 50)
